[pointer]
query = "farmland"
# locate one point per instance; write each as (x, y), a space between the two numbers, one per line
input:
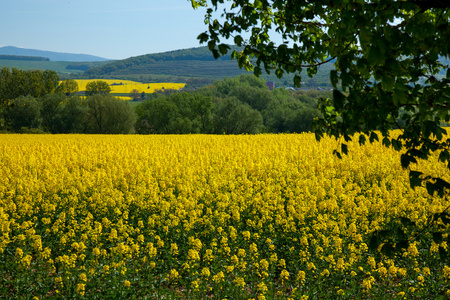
(209, 216)
(126, 86)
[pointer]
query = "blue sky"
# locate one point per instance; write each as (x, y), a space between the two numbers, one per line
(114, 29)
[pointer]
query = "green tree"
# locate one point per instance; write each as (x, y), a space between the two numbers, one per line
(231, 116)
(52, 106)
(135, 95)
(69, 86)
(110, 115)
(23, 112)
(387, 57)
(36, 83)
(157, 115)
(97, 87)
(75, 115)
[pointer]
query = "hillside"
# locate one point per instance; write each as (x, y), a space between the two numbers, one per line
(64, 68)
(52, 56)
(187, 64)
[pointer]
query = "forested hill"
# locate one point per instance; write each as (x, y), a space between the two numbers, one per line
(187, 65)
(193, 62)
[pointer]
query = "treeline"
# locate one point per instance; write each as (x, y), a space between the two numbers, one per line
(232, 106)
(59, 113)
(21, 57)
(35, 102)
(244, 104)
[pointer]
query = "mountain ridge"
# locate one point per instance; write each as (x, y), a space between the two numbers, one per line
(52, 55)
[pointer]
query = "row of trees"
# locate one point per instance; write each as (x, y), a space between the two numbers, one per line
(232, 106)
(35, 101)
(58, 113)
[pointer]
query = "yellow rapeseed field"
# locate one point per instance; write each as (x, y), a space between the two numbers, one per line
(126, 86)
(209, 217)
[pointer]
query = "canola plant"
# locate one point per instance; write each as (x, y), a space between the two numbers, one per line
(210, 217)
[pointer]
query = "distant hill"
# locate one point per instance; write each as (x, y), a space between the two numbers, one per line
(185, 65)
(19, 57)
(193, 62)
(52, 56)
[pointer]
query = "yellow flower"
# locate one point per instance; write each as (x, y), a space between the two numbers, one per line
(206, 272)
(240, 282)
(284, 275)
(262, 287)
(96, 251)
(367, 283)
(80, 288)
(325, 273)
(301, 276)
(241, 253)
(234, 260)
(446, 272)
(19, 253)
(219, 277)
(126, 283)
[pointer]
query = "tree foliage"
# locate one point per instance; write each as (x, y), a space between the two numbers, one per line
(232, 106)
(36, 83)
(68, 86)
(97, 87)
(387, 64)
(388, 74)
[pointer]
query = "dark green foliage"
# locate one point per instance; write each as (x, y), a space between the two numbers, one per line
(24, 111)
(109, 115)
(389, 73)
(20, 57)
(231, 106)
(97, 87)
(36, 83)
(68, 86)
(52, 112)
(235, 117)
(196, 66)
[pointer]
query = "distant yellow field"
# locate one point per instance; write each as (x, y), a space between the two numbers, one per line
(126, 86)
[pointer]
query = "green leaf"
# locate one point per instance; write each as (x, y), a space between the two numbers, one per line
(335, 152)
(437, 237)
(442, 253)
(399, 97)
(334, 78)
(406, 160)
(374, 56)
(223, 49)
(407, 222)
(338, 99)
(238, 40)
(414, 179)
(388, 249)
(445, 217)
(203, 37)
(396, 144)
(387, 84)
(362, 139)
(374, 241)
(344, 149)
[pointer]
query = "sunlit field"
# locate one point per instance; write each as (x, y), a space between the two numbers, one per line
(210, 217)
(126, 86)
